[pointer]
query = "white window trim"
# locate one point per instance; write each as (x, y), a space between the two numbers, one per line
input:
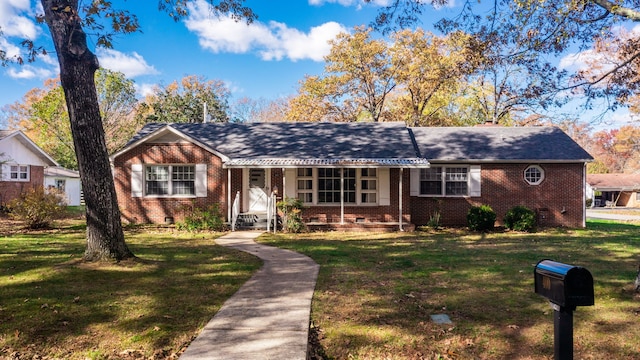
(534, 183)
(139, 178)
(18, 172)
(473, 181)
(359, 191)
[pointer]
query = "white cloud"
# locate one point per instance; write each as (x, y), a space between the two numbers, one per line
(274, 41)
(17, 19)
(144, 89)
(357, 3)
(581, 61)
(11, 50)
(130, 65)
(30, 72)
(297, 45)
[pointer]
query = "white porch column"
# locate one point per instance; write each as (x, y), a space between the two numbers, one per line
(284, 185)
(400, 200)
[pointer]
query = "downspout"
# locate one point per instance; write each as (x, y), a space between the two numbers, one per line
(400, 200)
(584, 195)
(229, 204)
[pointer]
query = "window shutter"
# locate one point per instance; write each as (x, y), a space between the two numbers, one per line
(384, 186)
(201, 180)
(137, 180)
(475, 180)
(290, 183)
(414, 188)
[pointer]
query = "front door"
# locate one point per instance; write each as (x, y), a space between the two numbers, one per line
(257, 190)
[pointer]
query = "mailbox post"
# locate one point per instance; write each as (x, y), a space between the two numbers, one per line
(566, 287)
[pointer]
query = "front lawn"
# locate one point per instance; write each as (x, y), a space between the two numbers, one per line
(373, 300)
(376, 292)
(54, 306)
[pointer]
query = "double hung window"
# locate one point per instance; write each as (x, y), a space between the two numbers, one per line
(305, 185)
(170, 180)
(444, 181)
(368, 186)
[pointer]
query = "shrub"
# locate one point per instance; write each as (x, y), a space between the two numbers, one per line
(520, 218)
(434, 218)
(199, 219)
(291, 209)
(37, 207)
(481, 218)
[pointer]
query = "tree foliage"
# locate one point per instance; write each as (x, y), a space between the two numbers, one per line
(523, 36)
(429, 71)
(185, 101)
(42, 115)
(416, 78)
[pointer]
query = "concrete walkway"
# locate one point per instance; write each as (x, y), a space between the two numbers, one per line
(268, 318)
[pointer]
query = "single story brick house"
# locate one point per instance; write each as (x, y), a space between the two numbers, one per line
(614, 190)
(351, 174)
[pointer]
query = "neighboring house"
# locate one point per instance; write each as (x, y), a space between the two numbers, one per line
(23, 164)
(614, 189)
(352, 174)
(65, 180)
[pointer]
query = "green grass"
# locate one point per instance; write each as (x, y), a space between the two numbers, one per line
(373, 299)
(52, 304)
(376, 292)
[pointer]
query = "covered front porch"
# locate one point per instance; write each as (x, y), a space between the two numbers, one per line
(367, 195)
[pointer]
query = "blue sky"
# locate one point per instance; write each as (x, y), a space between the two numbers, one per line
(266, 59)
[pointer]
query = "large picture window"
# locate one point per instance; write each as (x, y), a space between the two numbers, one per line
(167, 180)
(327, 185)
(444, 181)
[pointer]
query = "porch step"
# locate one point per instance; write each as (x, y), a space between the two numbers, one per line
(252, 221)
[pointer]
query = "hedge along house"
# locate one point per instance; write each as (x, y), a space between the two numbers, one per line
(355, 175)
(345, 173)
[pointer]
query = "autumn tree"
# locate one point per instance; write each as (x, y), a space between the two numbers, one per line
(187, 101)
(67, 20)
(42, 115)
(118, 106)
(429, 71)
(530, 34)
(321, 99)
(358, 78)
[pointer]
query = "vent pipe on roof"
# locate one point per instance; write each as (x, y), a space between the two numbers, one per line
(204, 113)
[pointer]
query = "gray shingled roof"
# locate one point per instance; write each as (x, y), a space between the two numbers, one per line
(377, 144)
(303, 144)
(497, 144)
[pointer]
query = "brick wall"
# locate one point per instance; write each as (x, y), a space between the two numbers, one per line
(558, 200)
(157, 210)
(10, 190)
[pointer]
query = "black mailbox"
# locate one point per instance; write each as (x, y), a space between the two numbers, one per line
(565, 285)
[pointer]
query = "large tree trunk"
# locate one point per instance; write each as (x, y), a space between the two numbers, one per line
(105, 238)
